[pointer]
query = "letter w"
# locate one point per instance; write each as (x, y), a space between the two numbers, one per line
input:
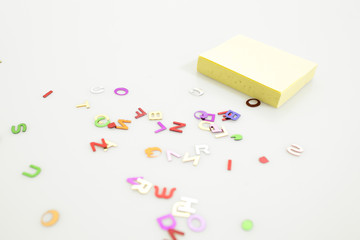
(163, 194)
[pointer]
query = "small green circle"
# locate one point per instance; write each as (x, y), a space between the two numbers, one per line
(247, 225)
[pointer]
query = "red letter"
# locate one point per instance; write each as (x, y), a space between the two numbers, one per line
(175, 129)
(93, 144)
(163, 194)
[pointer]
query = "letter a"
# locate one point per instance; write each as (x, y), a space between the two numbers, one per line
(195, 158)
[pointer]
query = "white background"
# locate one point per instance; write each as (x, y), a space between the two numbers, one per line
(151, 48)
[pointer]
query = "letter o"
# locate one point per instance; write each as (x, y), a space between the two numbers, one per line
(201, 220)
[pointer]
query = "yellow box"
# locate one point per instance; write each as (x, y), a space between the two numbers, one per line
(256, 69)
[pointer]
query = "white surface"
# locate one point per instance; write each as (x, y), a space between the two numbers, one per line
(151, 48)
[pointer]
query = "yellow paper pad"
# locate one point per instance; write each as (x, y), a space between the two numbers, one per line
(256, 69)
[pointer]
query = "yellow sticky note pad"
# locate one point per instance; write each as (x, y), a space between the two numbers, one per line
(256, 69)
